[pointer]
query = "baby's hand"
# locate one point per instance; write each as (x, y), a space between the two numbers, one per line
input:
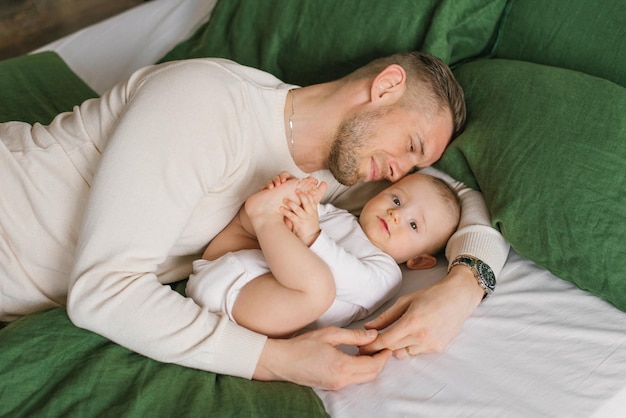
(302, 218)
(277, 180)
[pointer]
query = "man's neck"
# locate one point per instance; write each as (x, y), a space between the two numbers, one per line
(316, 112)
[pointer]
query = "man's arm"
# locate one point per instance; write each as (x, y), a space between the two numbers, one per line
(114, 290)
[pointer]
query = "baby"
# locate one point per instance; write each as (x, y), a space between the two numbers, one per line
(287, 263)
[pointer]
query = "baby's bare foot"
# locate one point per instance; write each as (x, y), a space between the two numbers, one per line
(268, 201)
(313, 188)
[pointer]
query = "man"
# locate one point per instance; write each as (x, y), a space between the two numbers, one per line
(113, 200)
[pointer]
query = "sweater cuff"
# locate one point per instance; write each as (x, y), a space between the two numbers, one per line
(239, 350)
(484, 243)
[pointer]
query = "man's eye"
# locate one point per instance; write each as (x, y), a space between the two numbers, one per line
(396, 201)
(413, 225)
(412, 147)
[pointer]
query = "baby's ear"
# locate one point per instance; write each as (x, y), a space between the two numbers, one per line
(422, 262)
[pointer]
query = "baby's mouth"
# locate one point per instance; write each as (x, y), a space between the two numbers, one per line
(384, 225)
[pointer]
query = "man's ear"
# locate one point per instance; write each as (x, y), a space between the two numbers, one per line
(422, 262)
(389, 84)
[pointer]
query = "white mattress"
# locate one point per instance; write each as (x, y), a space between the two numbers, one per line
(110, 51)
(538, 347)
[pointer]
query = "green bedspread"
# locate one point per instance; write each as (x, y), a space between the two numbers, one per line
(50, 368)
(544, 143)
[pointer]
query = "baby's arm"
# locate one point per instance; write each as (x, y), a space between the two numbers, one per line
(235, 236)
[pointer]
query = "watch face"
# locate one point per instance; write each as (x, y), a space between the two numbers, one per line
(485, 272)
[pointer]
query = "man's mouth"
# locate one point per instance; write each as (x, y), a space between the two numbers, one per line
(374, 171)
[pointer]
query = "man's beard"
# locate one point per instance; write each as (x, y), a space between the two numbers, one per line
(345, 153)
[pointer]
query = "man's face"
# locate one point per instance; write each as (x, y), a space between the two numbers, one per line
(387, 143)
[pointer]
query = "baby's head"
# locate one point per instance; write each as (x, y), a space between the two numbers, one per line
(412, 219)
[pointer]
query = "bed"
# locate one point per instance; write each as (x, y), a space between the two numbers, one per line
(544, 143)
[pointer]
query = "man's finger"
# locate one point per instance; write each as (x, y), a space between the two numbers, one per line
(339, 336)
(393, 338)
(388, 317)
(371, 366)
(362, 369)
(407, 352)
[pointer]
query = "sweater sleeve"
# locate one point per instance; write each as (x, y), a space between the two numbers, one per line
(155, 169)
(474, 236)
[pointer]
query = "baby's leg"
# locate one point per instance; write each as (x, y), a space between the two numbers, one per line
(266, 306)
(298, 274)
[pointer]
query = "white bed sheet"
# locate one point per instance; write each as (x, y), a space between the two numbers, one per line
(538, 347)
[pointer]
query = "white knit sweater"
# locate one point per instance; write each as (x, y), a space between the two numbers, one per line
(111, 201)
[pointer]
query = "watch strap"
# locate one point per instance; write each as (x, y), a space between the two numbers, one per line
(482, 272)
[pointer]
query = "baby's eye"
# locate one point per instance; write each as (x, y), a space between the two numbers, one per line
(413, 225)
(395, 201)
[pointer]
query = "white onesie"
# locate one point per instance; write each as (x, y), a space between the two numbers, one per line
(365, 277)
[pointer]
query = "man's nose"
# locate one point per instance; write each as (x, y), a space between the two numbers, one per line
(398, 169)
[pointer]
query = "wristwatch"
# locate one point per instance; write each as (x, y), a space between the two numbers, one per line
(483, 273)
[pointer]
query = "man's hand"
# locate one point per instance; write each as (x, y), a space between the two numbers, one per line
(313, 359)
(425, 321)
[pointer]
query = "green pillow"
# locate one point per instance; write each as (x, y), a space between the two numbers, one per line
(310, 41)
(51, 368)
(34, 88)
(547, 147)
(582, 35)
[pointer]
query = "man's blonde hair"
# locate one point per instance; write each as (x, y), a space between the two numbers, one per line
(431, 86)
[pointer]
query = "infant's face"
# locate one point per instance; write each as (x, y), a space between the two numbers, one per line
(407, 219)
